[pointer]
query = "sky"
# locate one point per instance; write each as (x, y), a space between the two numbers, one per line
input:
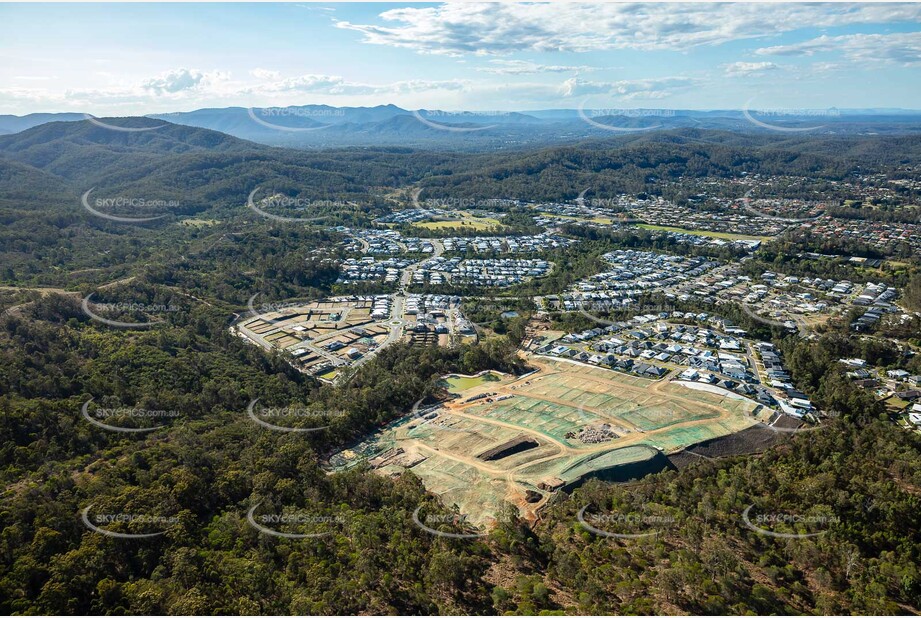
(132, 59)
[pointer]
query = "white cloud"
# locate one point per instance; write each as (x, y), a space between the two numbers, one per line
(525, 67)
(176, 80)
(496, 28)
(190, 86)
(176, 85)
(902, 48)
(748, 69)
(658, 88)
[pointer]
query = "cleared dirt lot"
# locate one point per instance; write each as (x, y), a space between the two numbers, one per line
(516, 438)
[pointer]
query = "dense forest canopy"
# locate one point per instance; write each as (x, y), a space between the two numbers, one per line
(210, 464)
(206, 465)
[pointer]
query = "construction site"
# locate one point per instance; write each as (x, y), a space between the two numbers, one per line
(507, 439)
(326, 335)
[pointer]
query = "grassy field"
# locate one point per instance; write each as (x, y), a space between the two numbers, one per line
(599, 220)
(722, 235)
(458, 384)
(465, 219)
(477, 224)
(897, 403)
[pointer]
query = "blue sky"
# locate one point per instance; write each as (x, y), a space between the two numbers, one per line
(126, 59)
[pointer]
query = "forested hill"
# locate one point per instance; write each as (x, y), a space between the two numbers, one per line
(204, 468)
(209, 167)
(84, 151)
(124, 134)
(203, 175)
(632, 164)
(198, 178)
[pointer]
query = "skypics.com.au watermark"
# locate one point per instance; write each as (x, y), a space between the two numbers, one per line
(630, 113)
(426, 119)
(762, 523)
(299, 112)
(261, 117)
(768, 118)
(271, 307)
(270, 417)
(429, 521)
(125, 203)
(133, 307)
(799, 112)
(98, 415)
(442, 203)
(624, 525)
(98, 520)
(300, 203)
(747, 207)
(146, 308)
(293, 203)
(133, 202)
(589, 116)
(319, 525)
(437, 113)
(450, 203)
(431, 418)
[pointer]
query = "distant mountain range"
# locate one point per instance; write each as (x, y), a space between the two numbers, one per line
(46, 169)
(156, 157)
(323, 126)
(56, 162)
(15, 124)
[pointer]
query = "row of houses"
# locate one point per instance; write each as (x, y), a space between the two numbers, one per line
(875, 294)
(780, 297)
(381, 308)
(660, 211)
(698, 348)
(648, 338)
(898, 386)
(584, 208)
(410, 215)
(878, 297)
(880, 235)
(794, 402)
(829, 287)
(711, 355)
(633, 273)
(384, 242)
(507, 244)
(498, 272)
(698, 240)
(368, 269)
(372, 241)
(629, 365)
(416, 303)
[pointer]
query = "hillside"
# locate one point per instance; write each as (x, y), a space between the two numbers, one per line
(208, 175)
(631, 164)
(15, 124)
(187, 172)
(205, 468)
(324, 126)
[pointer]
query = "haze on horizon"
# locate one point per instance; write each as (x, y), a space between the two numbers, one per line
(133, 59)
